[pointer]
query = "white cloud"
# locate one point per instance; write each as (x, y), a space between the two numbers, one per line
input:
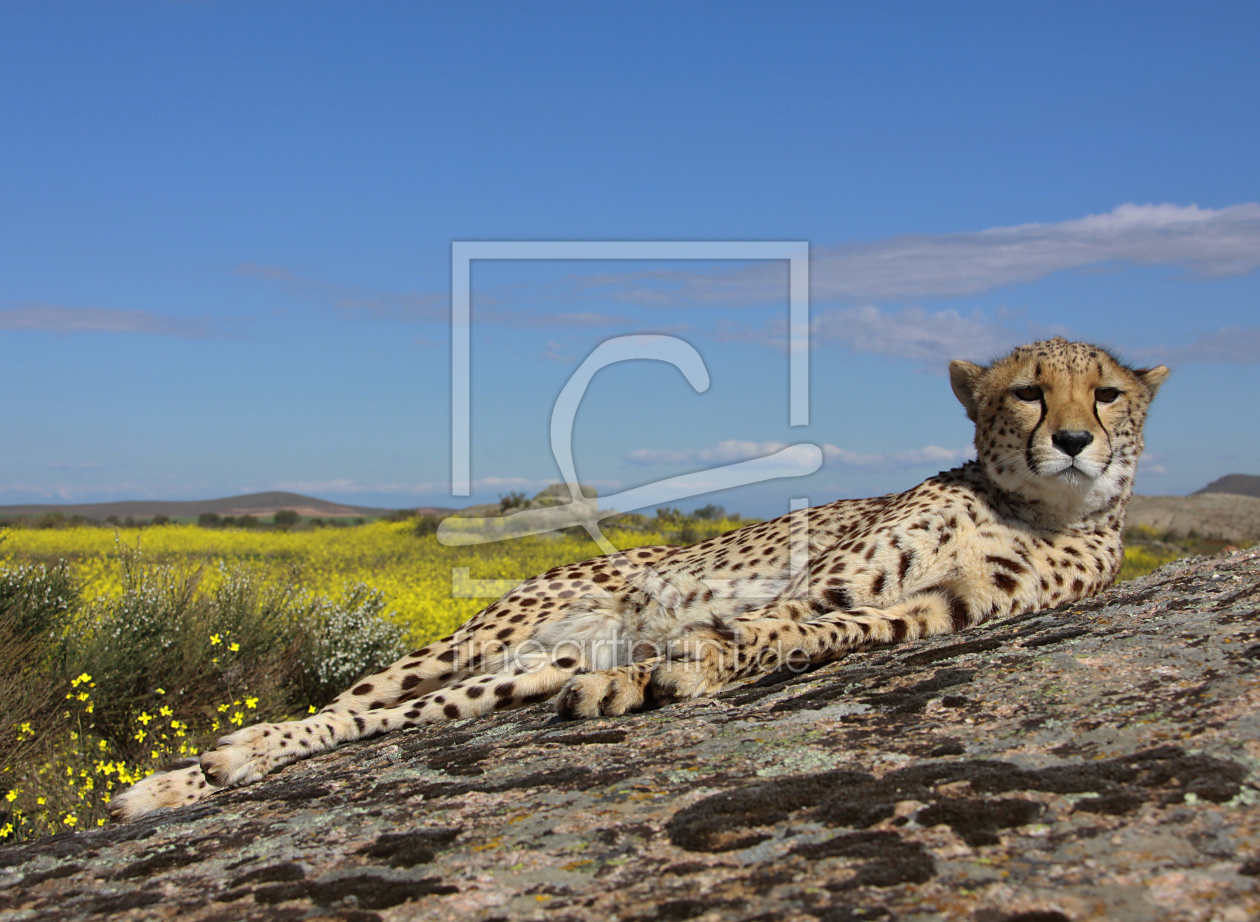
(1228, 344)
(733, 450)
(914, 333)
(1209, 242)
(54, 318)
(931, 338)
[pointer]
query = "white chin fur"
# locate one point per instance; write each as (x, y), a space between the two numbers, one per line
(1071, 490)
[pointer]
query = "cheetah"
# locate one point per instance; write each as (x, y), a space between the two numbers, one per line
(1033, 522)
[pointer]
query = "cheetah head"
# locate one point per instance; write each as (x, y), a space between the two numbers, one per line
(1059, 423)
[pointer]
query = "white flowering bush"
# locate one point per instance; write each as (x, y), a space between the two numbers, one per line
(344, 638)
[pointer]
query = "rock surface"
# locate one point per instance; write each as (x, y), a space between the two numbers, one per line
(1099, 761)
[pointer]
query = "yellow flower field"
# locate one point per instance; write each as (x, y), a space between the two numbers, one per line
(415, 572)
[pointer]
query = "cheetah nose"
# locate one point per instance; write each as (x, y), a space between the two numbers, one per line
(1072, 442)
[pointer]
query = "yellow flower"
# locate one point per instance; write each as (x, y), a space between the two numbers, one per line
(160, 691)
(215, 640)
(312, 710)
(238, 718)
(144, 718)
(40, 801)
(11, 796)
(6, 830)
(70, 819)
(234, 647)
(140, 735)
(165, 711)
(251, 702)
(223, 707)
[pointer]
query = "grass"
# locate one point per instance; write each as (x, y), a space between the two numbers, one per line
(98, 693)
(124, 649)
(1146, 550)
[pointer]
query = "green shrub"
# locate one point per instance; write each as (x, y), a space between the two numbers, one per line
(93, 696)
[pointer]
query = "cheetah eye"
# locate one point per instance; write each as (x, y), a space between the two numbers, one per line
(1106, 394)
(1029, 392)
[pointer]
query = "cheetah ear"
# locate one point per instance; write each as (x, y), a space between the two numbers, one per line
(963, 378)
(1153, 377)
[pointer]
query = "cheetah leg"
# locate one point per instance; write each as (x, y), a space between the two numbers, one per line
(184, 784)
(607, 693)
(406, 694)
(709, 656)
(247, 755)
(250, 753)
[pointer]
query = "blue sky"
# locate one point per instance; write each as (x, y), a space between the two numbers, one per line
(225, 235)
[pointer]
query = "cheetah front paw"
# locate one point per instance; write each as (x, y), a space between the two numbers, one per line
(182, 785)
(247, 755)
(678, 681)
(699, 663)
(609, 693)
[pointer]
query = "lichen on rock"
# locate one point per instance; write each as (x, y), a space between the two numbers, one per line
(1100, 761)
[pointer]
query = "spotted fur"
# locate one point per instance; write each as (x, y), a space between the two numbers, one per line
(1035, 521)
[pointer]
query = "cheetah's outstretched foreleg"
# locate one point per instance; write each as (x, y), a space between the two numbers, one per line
(609, 692)
(709, 656)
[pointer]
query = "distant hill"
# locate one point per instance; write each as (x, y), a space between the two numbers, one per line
(257, 504)
(1215, 516)
(1241, 484)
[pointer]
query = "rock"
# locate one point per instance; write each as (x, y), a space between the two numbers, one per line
(1100, 761)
